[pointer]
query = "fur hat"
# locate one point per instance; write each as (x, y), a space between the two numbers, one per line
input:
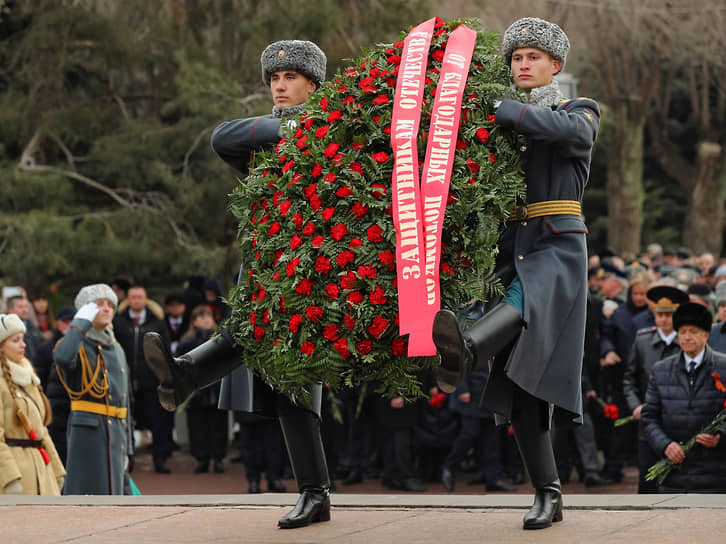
(537, 33)
(693, 313)
(299, 56)
(89, 293)
(9, 325)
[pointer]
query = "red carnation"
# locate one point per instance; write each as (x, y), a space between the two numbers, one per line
(314, 313)
(348, 322)
(349, 100)
(375, 234)
(386, 257)
(297, 177)
(394, 59)
(310, 190)
(380, 99)
(378, 190)
(317, 241)
(367, 271)
(290, 268)
(331, 332)
(348, 280)
(355, 242)
(356, 167)
(287, 166)
(359, 210)
(322, 265)
(378, 327)
(399, 346)
(332, 290)
(327, 213)
(321, 132)
(343, 191)
(461, 144)
(274, 228)
(324, 103)
(315, 203)
(259, 333)
(330, 178)
(492, 158)
(335, 116)
(438, 55)
(338, 232)
(331, 150)
(364, 346)
(378, 296)
(355, 298)
(344, 258)
(304, 287)
(472, 165)
(297, 221)
(307, 347)
(380, 157)
(491, 117)
(284, 207)
(295, 241)
(317, 170)
(308, 229)
(302, 142)
(482, 134)
(341, 345)
(253, 318)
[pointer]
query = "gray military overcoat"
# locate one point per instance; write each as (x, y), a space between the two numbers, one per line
(549, 255)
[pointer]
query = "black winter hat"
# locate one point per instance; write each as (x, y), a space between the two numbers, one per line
(692, 313)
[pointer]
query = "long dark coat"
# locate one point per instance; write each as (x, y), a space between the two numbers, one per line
(235, 142)
(674, 411)
(98, 446)
(549, 255)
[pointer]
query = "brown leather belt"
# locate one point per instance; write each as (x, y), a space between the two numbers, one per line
(547, 207)
(23, 443)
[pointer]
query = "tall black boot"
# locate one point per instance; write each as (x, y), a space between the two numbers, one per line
(179, 377)
(301, 429)
(530, 422)
(461, 352)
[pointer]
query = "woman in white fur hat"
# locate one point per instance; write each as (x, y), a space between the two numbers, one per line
(29, 462)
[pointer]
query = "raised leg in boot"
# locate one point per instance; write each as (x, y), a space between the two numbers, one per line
(461, 351)
(301, 429)
(179, 377)
(530, 422)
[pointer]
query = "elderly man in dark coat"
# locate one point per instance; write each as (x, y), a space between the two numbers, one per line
(685, 392)
(651, 345)
(293, 70)
(542, 263)
(92, 367)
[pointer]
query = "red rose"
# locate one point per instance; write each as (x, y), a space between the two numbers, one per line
(338, 232)
(307, 347)
(343, 191)
(354, 298)
(375, 234)
(290, 268)
(332, 290)
(348, 281)
(331, 150)
(380, 157)
(304, 287)
(327, 213)
(378, 327)
(482, 134)
(344, 258)
(341, 345)
(378, 296)
(359, 210)
(331, 332)
(321, 132)
(364, 346)
(259, 333)
(314, 313)
(367, 271)
(349, 322)
(335, 115)
(317, 241)
(295, 241)
(399, 346)
(322, 265)
(274, 228)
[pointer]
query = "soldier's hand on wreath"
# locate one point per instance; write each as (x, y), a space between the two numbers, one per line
(87, 311)
(397, 402)
(14, 488)
(708, 440)
(674, 452)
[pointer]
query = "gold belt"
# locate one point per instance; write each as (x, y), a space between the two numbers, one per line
(548, 207)
(98, 408)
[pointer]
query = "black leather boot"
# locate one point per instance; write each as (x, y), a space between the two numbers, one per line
(179, 377)
(301, 429)
(530, 422)
(461, 351)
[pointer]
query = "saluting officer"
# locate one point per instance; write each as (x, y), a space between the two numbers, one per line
(651, 345)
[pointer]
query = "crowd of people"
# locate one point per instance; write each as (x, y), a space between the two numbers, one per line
(630, 329)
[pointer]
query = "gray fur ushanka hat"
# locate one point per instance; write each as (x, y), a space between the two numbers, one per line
(537, 33)
(300, 56)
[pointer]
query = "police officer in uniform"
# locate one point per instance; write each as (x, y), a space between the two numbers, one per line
(651, 345)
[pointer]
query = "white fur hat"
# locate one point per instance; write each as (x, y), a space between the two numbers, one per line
(89, 293)
(9, 325)
(537, 33)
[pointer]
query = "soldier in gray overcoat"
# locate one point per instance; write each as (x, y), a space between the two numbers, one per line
(293, 70)
(92, 367)
(543, 265)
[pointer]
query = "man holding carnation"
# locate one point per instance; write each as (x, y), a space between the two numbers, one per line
(685, 392)
(535, 334)
(293, 69)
